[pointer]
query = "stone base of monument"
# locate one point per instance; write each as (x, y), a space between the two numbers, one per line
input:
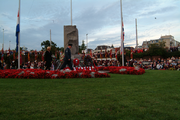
(75, 56)
(79, 58)
(103, 71)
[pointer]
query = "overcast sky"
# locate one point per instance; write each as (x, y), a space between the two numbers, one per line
(100, 19)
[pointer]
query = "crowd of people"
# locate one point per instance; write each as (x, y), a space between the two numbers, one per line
(52, 64)
(157, 64)
(27, 65)
(153, 64)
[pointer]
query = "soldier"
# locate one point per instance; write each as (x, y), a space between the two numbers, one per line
(67, 58)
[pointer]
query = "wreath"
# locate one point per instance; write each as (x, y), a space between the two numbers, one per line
(76, 62)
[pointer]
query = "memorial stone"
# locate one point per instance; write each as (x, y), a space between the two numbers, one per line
(71, 37)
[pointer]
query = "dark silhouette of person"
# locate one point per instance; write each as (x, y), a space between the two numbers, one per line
(67, 58)
(8, 62)
(48, 58)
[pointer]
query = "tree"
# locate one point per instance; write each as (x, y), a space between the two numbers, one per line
(112, 46)
(46, 43)
(61, 49)
(82, 47)
(157, 49)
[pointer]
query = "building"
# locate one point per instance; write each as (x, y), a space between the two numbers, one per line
(87, 50)
(103, 48)
(128, 48)
(168, 39)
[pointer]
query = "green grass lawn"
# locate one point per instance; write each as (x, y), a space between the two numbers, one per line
(154, 95)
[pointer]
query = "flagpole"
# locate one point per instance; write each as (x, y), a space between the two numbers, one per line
(71, 12)
(9, 44)
(122, 46)
(136, 34)
(50, 37)
(87, 43)
(19, 40)
(3, 40)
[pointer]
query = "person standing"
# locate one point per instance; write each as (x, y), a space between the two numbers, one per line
(48, 58)
(67, 58)
(8, 62)
(1, 65)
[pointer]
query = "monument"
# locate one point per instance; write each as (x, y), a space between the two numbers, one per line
(71, 37)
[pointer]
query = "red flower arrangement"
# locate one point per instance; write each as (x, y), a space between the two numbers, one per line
(123, 70)
(78, 72)
(46, 74)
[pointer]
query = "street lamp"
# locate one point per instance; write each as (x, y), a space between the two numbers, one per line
(3, 40)
(87, 42)
(9, 44)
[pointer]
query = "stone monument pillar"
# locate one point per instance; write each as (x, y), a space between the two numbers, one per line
(71, 37)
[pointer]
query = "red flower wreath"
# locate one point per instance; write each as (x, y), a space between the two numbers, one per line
(76, 62)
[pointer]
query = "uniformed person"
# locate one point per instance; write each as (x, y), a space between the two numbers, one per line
(67, 58)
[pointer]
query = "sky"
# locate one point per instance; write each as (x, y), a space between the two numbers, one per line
(100, 19)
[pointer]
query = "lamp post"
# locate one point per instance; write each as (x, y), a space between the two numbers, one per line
(3, 40)
(50, 37)
(136, 34)
(9, 44)
(71, 12)
(87, 42)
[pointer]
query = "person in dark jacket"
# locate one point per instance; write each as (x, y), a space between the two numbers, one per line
(8, 62)
(48, 58)
(13, 65)
(67, 58)
(1, 65)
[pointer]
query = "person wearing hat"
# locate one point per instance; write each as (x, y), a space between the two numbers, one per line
(67, 58)
(48, 58)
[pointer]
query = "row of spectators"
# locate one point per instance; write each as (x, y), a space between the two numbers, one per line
(173, 49)
(155, 64)
(160, 63)
(169, 63)
(28, 65)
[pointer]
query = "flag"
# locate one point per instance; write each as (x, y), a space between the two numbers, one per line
(101, 54)
(122, 31)
(14, 56)
(2, 55)
(116, 53)
(29, 59)
(56, 54)
(131, 54)
(61, 56)
(111, 53)
(122, 38)
(17, 31)
(91, 53)
(42, 56)
(106, 55)
(83, 55)
(36, 55)
(9, 51)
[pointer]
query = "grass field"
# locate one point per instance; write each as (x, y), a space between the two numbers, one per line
(154, 95)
